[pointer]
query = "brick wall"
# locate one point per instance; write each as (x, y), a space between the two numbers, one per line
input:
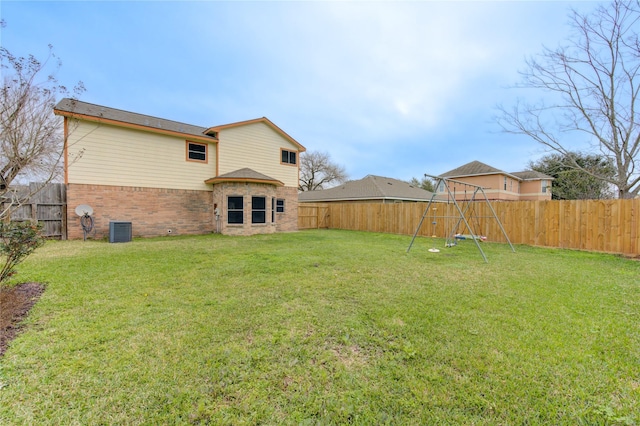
(286, 221)
(152, 212)
(246, 190)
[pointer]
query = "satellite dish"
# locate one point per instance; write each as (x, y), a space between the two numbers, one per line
(84, 209)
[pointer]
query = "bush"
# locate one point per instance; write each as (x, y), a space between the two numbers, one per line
(17, 241)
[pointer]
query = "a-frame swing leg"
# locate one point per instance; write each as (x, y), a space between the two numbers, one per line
(426, 212)
(495, 216)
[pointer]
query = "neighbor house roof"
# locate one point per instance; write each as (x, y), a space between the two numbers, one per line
(77, 109)
(477, 168)
(245, 175)
(368, 188)
(531, 175)
(474, 168)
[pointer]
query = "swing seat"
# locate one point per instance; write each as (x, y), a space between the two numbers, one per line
(470, 237)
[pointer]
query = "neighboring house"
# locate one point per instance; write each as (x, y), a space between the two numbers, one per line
(167, 177)
(497, 184)
(370, 189)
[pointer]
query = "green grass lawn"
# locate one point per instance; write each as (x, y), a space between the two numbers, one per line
(324, 327)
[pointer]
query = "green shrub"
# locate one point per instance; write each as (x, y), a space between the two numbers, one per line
(17, 241)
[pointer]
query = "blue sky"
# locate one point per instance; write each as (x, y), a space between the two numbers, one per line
(396, 89)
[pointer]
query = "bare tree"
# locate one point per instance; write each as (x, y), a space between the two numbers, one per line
(593, 84)
(317, 171)
(31, 138)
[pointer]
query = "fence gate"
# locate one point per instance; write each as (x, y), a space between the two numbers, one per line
(48, 206)
(313, 216)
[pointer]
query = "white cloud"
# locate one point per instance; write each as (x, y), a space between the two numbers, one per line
(380, 85)
(395, 63)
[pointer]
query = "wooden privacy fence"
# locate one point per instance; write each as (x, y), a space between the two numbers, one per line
(48, 206)
(611, 226)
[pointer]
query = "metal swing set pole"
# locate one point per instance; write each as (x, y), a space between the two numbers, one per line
(426, 212)
(493, 212)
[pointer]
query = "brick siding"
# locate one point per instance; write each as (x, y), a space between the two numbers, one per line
(152, 212)
(155, 212)
(287, 221)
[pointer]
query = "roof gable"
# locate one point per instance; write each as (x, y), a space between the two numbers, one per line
(216, 129)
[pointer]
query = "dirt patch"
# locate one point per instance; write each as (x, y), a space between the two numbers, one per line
(633, 256)
(15, 303)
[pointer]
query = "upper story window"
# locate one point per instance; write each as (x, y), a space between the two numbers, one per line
(197, 152)
(545, 186)
(288, 157)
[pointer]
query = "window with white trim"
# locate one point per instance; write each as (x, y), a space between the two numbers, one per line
(545, 186)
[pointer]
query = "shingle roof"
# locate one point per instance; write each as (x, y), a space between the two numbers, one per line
(368, 188)
(244, 175)
(477, 168)
(73, 107)
(531, 175)
(473, 168)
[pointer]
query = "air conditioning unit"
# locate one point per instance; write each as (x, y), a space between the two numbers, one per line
(119, 232)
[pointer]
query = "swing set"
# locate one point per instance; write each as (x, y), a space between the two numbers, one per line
(465, 215)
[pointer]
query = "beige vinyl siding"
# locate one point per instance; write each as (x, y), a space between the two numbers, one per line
(109, 155)
(257, 146)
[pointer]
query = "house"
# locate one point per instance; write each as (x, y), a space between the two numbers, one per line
(498, 184)
(166, 177)
(370, 189)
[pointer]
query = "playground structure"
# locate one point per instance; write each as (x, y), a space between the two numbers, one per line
(465, 215)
